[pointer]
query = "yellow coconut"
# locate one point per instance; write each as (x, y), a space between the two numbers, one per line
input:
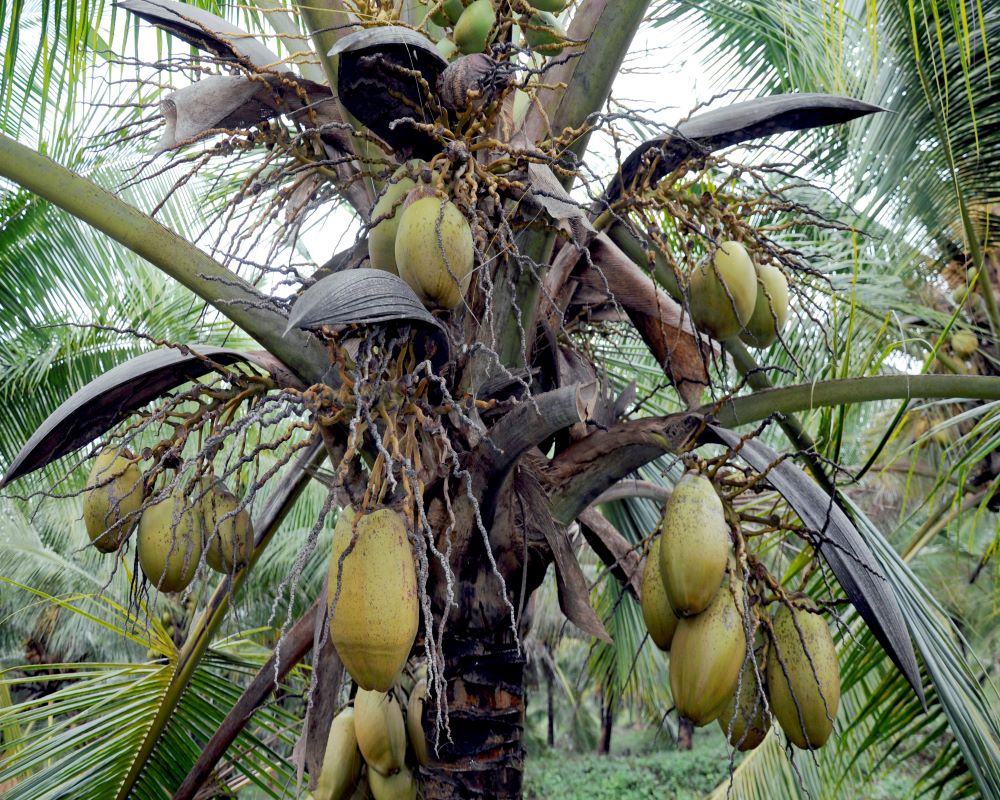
(378, 724)
(399, 786)
(770, 312)
(414, 722)
(724, 291)
(374, 622)
(661, 622)
(474, 28)
(705, 659)
(228, 532)
(112, 498)
(746, 721)
(341, 768)
(170, 542)
(694, 545)
(434, 251)
(803, 677)
(385, 217)
(543, 33)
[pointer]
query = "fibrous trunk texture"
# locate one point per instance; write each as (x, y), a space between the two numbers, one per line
(484, 757)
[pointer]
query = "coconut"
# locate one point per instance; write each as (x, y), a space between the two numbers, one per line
(474, 28)
(111, 499)
(400, 786)
(724, 291)
(705, 659)
(170, 542)
(374, 622)
(341, 768)
(803, 677)
(449, 13)
(434, 250)
(385, 217)
(964, 343)
(381, 733)
(543, 32)
(228, 532)
(661, 622)
(694, 545)
(770, 312)
(414, 722)
(745, 720)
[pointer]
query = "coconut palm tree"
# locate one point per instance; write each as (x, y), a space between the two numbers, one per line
(490, 410)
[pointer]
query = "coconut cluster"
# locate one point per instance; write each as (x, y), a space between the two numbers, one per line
(174, 532)
(692, 600)
(731, 296)
(366, 752)
(423, 237)
(470, 27)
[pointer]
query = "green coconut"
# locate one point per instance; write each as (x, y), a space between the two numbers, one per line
(803, 677)
(111, 499)
(694, 545)
(446, 47)
(434, 250)
(548, 5)
(449, 13)
(474, 28)
(770, 312)
(723, 296)
(543, 33)
(170, 542)
(386, 214)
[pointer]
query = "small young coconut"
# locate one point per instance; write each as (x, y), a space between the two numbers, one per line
(543, 33)
(448, 14)
(434, 250)
(113, 495)
(446, 47)
(724, 291)
(475, 27)
(964, 343)
(228, 532)
(170, 542)
(770, 312)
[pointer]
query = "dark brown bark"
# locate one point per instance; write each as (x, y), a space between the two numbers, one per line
(607, 725)
(550, 699)
(484, 757)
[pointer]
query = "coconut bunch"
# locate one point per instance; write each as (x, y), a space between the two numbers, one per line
(374, 747)
(472, 27)
(175, 530)
(694, 603)
(730, 296)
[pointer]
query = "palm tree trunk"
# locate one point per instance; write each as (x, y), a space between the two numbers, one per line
(607, 723)
(551, 735)
(685, 734)
(484, 757)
